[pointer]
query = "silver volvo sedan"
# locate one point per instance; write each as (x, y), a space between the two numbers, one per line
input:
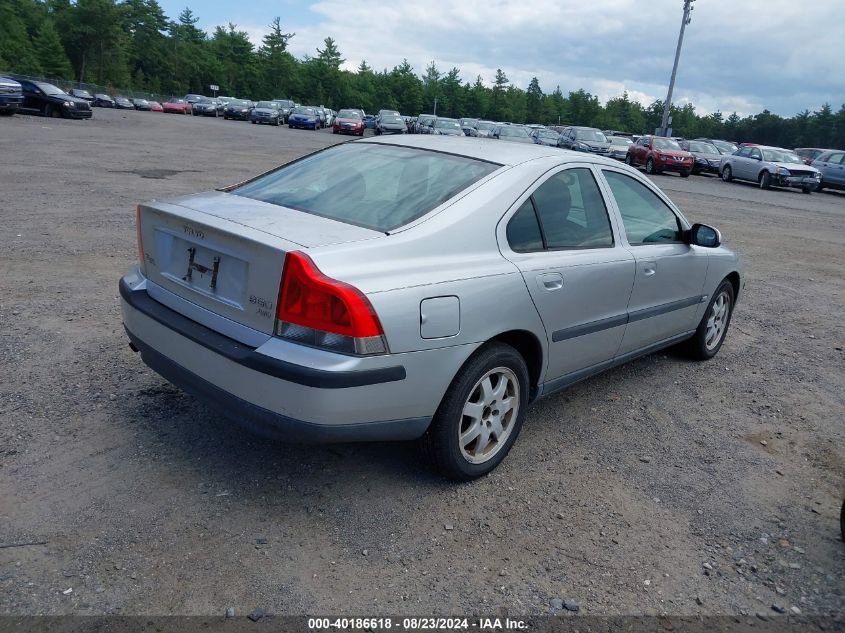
(421, 287)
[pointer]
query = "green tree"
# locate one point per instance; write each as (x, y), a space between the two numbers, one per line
(51, 54)
(16, 48)
(277, 65)
(534, 100)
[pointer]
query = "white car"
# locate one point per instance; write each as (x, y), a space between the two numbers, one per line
(770, 167)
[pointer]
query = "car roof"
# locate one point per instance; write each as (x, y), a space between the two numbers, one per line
(482, 149)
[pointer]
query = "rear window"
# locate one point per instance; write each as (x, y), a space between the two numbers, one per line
(381, 187)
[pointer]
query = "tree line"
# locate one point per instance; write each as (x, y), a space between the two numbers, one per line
(131, 45)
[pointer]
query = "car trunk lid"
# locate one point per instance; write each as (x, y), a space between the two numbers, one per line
(225, 253)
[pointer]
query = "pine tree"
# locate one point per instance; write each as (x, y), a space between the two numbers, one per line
(51, 53)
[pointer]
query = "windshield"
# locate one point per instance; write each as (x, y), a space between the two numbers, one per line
(781, 156)
(268, 104)
(666, 143)
(484, 126)
(620, 140)
(306, 111)
(513, 130)
(702, 147)
(547, 134)
(284, 103)
(590, 135)
(425, 120)
(391, 118)
(176, 101)
(348, 114)
(238, 103)
(382, 113)
(81, 93)
(376, 186)
(50, 89)
(725, 147)
(447, 123)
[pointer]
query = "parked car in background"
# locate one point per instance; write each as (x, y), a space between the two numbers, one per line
(11, 95)
(390, 124)
(304, 117)
(285, 106)
(544, 136)
(349, 121)
(706, 156)
(330, 114)
(618, 146)
(584, 139)
(769, 167)
(658, 154)
(387, 112)
(469, 126)
(513, 133)
(155, 106)
(322, 117)
(483, 129)
(831, 164)
(205, 107)
(192, 99)
(370, 121)
(237, 109)
(424, 123)
(266, 112)
(81, 94)
(40, 97)
(447, 127)
(102, 100)
(123, 103)
(724, 147)
(574, 269)
(175, 105)
(809, 154)
(141, 104)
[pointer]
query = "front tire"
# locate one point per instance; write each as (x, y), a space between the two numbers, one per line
(711, 331)
(480, 416)
(684, 174)
(629, 160)
(727, 173)
(765, 180)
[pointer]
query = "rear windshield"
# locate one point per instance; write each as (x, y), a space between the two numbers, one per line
(381, 187)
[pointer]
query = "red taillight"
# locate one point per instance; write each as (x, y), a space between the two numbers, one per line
(310, 299)
(139, 236)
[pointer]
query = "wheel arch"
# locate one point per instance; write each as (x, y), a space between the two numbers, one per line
(734, 278)
(531, 350)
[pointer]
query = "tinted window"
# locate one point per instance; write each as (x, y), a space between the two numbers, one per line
(836, 158)
(572, 211)
(646, 217)
(524, 231)
(377, 186)
(755, 153)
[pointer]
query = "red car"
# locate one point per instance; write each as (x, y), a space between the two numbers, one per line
(349, 122)
(155, 106)
(659, 154)
(176, 106)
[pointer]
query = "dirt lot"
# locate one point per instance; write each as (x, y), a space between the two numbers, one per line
(661, 487)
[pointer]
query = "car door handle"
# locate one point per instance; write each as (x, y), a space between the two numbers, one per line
(550, 281)
(649, 269)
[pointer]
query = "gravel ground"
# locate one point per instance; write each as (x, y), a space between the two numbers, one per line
(664, 486)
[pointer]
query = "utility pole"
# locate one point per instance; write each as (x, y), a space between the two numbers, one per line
(435, 106)
(664, 128)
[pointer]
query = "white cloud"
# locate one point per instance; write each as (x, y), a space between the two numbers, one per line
(738, 55)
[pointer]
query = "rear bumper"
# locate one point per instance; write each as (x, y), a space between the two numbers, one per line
(10, 102)
(371, 399)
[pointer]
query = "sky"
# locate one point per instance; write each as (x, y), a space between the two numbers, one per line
(738, 55)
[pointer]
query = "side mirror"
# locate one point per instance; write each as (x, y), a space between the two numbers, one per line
(703, 235)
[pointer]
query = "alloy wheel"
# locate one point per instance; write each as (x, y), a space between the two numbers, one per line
(717, 320)
(489, 415)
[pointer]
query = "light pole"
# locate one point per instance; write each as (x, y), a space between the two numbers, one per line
(435, 106)
(663, 130)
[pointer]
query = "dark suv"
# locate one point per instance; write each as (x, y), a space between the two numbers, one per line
(46, 99)
(584, 139)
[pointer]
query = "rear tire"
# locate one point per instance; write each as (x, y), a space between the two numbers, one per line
(629, 160)
(819, 186)
(649, 166)
(713, 328)
(727, 173)
(765, 180)
(486, 400)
